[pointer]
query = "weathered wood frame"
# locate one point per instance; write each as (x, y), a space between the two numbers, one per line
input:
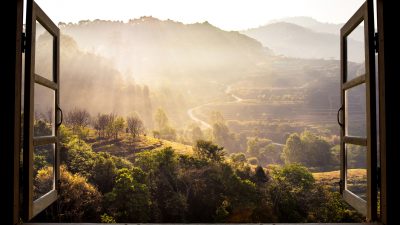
(368, 207)
(36, 14)
(10, 128)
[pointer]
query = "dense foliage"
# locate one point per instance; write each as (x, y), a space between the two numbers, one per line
(161, 185)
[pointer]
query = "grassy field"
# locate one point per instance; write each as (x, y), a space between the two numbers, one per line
(126, 146)
(356, 181)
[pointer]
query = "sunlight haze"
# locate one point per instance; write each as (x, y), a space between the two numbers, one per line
(226, 14)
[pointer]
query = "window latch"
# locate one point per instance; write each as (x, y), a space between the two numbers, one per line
(61, 116)
(338, 116)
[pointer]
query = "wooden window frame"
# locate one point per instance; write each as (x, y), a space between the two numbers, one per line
(32, 207)
(10, 129)
(366, 207)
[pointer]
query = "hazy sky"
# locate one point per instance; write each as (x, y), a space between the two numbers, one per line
(226, 14)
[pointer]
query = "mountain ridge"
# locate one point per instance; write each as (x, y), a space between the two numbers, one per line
(293, 40)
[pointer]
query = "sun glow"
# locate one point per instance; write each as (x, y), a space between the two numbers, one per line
(226, 14)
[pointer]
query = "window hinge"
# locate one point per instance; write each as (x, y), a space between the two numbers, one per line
(376, 42)
(23, 42)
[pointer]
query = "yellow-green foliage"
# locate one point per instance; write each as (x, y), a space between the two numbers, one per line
(79, 200)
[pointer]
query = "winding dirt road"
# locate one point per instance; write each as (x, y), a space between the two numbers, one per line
(204, 125)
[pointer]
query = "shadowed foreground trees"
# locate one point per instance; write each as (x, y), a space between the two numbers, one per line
(79, 200)
(160, 185)
(129, 201)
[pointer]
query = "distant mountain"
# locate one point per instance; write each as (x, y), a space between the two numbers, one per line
(312, 24)
(321, 27)
(297, 41)
(105, 64)
(151, 49)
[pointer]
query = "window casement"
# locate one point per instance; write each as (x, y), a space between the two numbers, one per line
(41, 105)
(42, 113)
(358, 118)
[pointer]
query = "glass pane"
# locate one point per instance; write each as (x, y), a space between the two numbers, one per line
(357, 170)
(44, 52)
(355, 53)
(44, 111)
(356, 111)
(43, 173)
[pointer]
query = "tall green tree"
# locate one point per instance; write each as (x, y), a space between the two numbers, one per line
(129, 201)
(308, 149)
(103, 172)
(208, 150)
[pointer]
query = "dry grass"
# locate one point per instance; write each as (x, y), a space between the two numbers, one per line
(178, 147)
(356, 178)
(126, 146)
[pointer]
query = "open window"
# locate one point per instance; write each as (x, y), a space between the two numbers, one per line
(358, 118)
(42, 114)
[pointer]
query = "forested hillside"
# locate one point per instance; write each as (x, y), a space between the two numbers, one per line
(162, 119)
(163, 181)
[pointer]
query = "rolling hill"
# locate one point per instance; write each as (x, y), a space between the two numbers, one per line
(293, 40)
(153, 50)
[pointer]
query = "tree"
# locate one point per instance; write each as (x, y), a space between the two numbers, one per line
(79, 201)
(110, 127)
(223, 137)
(260, 177)
(78, 119)
(168, 133)
(238, 159)
(293, 150)
(308, 149)
(253, 161)
(103, 172)
(161, 119)
(80, 157)
(318, 150)
(290, 192)
(129, 201)
(135, 125)
(118, 125)
(270, 154)
(165, 130)
(115, 124)
(100, 124)
(208, 150)
(41, 128)
(254, 145)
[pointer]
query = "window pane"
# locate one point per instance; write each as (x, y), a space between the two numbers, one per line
(356, 111)
(43, 173)
(355, 53)
(357, 170)
(44, 111)
(44, 52)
